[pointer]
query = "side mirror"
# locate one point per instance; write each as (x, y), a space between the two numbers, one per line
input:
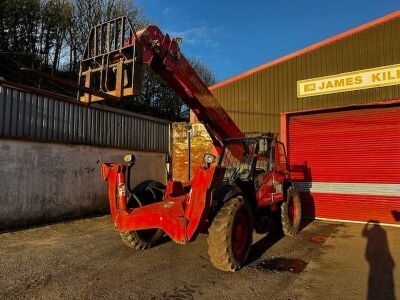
(130, 159)
(208, 160)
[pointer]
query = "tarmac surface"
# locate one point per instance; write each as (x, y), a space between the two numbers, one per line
(86, 259)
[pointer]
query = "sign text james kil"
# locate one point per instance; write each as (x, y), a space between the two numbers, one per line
(357, 80)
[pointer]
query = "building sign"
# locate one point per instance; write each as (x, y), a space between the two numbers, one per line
(351, 81)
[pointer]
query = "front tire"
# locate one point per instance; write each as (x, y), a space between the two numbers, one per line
(141, 239)
(230, 235)
(147, 192)
(291, 212)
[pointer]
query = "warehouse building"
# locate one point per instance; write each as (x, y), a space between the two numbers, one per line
(357, 67)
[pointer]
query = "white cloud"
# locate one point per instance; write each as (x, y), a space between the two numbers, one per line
(200, 35)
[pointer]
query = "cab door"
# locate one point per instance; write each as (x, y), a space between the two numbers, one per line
(270, 173)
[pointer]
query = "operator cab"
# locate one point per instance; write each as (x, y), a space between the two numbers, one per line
(246, 158)
(257, 165)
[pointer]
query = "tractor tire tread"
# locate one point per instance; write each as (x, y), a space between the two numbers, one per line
(287, 226)
(133, 240)
(219, 237)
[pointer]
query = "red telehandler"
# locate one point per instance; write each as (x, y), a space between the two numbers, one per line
(229, 196)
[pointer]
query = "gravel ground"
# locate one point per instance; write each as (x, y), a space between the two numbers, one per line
(86, 259)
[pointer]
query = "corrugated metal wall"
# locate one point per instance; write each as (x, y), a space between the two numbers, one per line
(26, 115)
(255, 101)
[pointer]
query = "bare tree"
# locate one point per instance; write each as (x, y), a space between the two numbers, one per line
(87, 13)
(19, 21)
(52, 34)
(55, 21)
(204, 72)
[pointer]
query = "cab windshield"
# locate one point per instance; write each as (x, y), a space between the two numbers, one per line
(237, 158)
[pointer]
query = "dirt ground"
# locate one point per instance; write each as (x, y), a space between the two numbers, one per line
(86, 259)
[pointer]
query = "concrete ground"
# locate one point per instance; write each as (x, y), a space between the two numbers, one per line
(86, 259)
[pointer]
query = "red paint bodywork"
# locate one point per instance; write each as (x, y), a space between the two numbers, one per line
(183, 211)
(177, 215)
(267, 193)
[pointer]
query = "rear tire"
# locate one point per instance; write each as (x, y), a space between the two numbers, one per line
(291, 212)
(230, 235)
(148, 192)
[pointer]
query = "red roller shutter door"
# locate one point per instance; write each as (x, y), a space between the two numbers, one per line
(348, 163)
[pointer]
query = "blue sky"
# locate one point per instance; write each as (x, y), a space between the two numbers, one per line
(231, 37)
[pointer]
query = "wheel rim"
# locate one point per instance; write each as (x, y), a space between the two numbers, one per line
(239, 236)
(293, 212)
